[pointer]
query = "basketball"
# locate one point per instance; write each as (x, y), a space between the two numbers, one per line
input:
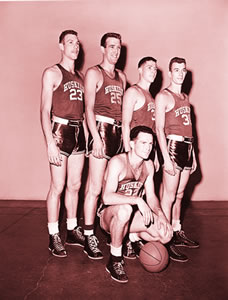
(154, 257)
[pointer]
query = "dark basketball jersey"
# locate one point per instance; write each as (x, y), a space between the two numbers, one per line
(178, 119)
(68, 98)
(108, 100)
(129, 185)
(145, 115)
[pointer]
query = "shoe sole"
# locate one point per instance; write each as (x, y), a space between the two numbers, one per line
(52, 252)
(74, 244)
(191, 247)
(178, 260)
(127, 257)
(120, 281)
(94, 258)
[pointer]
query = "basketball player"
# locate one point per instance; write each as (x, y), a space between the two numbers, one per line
(174, 132)
(63, 127)
(127, 177)
(104, 88)
(138, 104)
(139, 109)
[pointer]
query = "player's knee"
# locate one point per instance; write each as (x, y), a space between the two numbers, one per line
(124, 213)
(180, 195)
(165, 239)
(57, 187)
(74, 186)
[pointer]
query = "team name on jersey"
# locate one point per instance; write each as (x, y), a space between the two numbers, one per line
(71, 85)
(182, 110)
(130, 185)
(113, 88)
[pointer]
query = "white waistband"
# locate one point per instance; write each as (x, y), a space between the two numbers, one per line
(107, 120)
(179, 138)
(64, 121)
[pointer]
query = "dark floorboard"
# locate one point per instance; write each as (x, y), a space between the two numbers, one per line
(28, 271)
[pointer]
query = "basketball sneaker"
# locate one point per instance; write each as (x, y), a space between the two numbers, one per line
(128, 250)
(91, 247)
(137, 246)
(180, 239)
(75, 237)
(55, 245)
(175, 254)
(115, 267)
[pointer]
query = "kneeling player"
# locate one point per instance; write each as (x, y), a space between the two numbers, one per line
(128, 176)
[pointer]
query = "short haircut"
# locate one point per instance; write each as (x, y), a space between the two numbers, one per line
(136, 130)
(178, 60)
(145, 59)
(109, 35)
(64, 33)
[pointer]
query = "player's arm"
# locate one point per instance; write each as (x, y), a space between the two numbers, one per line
(48, 82)
(161, 104)
(91, 81)
(123, 78)
(153, 201)
(129, 101)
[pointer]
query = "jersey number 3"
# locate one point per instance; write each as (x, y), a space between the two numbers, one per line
(186, 119)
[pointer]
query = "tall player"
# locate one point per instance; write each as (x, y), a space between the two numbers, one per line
(174, 132)
(63, 127)
(104, 88)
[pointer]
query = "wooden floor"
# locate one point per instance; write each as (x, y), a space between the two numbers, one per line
(28, 271)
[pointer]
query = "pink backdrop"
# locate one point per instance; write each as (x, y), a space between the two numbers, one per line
(196, 30)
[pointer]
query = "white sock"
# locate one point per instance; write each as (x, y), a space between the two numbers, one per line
(176, 225)
(89, 232)
(71, 223)
(53, 227)
(116, 251)
(133, 237)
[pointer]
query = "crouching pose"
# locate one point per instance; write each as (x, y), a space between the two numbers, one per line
(128, 177)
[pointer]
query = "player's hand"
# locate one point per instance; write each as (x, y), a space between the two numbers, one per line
(54, 155)
(145, 211)
(98, 148)
(170, 167)
(163, 224)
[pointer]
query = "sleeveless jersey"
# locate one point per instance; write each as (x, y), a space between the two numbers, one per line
(108, 100)
(145, 115)
(68, 98)
(178, 119)
(129, 185)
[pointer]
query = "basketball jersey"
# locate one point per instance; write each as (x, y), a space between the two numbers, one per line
(129, 185)
(145, 115)
(68, 98)
(108, 101)
(178, 119)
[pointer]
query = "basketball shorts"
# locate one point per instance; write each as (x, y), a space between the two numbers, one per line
(181, 154)
(111, 136)
(69, 138)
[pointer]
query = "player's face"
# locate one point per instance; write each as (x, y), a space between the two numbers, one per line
(143, 145)
(149, 70)
(112, 50)
(70, 46)
(178, 73)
